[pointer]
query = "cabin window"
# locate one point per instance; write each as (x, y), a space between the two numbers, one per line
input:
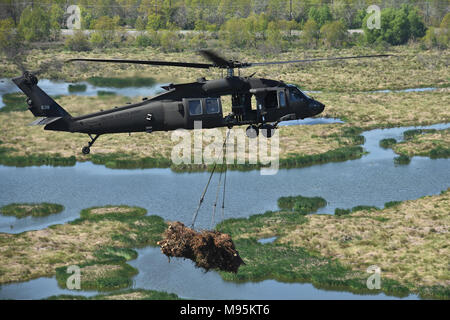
(281, 99)
(195, 107)
(212, 106)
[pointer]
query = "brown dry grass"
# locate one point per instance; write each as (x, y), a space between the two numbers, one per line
(370, 110)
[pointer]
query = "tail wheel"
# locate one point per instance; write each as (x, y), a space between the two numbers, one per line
(268, 130)
(252, 131)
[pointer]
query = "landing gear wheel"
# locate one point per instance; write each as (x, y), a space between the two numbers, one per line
(252, 131)
(268, 130)
(87, 149)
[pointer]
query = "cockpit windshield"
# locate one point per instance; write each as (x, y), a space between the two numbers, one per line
(295, 94)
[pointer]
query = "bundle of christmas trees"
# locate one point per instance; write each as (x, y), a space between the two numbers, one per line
(208, 249)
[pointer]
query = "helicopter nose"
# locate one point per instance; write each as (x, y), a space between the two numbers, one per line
(316, 107)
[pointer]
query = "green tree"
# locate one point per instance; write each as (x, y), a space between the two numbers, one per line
(310, 34)
(444, 32)
(169, 41)
(395, 27)
(321, 14)
(34, 24)
(155, 22)
(56, 21)
(334, 34)
(78, 42)
(10, 40)
(105, 34)
(275, 36)
(236, 33)
(416, 24)
(140, 24)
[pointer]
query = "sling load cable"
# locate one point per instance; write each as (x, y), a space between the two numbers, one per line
(217, 197)
(194, 217)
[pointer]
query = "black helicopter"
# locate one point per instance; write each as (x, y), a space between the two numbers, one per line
(182, 104)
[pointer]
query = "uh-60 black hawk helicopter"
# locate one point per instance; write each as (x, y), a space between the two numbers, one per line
(182, 104)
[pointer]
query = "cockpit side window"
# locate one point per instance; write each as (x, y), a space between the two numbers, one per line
(195, 107)
(295, 95)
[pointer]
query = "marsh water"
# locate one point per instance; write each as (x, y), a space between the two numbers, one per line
(371, 180)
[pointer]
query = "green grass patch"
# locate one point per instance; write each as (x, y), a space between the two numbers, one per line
(121, 82)
(115, 253)
(101, 276)
(22, 210)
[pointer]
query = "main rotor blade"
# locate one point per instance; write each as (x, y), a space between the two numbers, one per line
(251, 64)
(150, 62)
(216, 59)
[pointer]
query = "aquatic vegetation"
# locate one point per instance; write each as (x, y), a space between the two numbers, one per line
(402, 159)
(14, 102)
(22, 210)
(130, 294)
(121, 82)
(77, 88)
(342, 212)
(8, 158)
(102, 93)
(387, 143)
(301, 204)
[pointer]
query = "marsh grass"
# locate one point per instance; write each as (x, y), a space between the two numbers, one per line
(299, 145)
(130, 294)
(406, 239)
(402, 159)
(102, 93)
(387, 143)
(301, 204)
(287, 263)
(334, 251)
(121, 82)
(77, 88)
(99, 237)
(342, 212)
(100, 276)
(13, 102)
(22, 210)
(423, 142)
(425, 68)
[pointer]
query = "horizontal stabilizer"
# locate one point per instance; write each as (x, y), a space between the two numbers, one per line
(44, 121)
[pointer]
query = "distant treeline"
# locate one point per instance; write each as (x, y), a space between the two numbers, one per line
(262, 24)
